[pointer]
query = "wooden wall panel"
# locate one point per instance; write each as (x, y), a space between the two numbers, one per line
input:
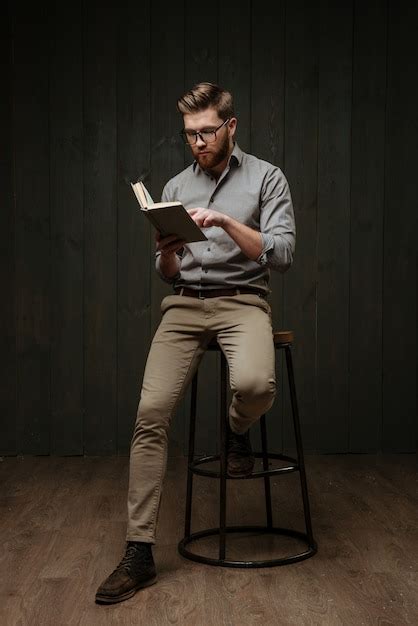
(366, 226)
(334, 128)
(301, 147)
(234, 71)
(8, 442)
(67, 229)
(399, 237)
(134, 252)
(100, 228)
(326, 93)
(33, 262)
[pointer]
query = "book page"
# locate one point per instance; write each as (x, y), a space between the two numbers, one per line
(147, 194)
(139, 193)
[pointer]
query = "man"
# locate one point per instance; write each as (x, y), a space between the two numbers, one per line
(220, 288)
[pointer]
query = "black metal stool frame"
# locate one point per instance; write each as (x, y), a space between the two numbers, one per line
(194, 467)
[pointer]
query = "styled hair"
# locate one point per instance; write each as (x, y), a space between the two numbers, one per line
(205, 95)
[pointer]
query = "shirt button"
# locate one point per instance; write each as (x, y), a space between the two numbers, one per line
(208, 249)
(206, 271)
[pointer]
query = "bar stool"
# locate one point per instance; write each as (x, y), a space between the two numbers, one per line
(282, 341)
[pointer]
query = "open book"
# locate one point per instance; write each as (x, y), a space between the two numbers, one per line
(169, 218)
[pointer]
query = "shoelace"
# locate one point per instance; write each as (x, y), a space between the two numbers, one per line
(130, 555)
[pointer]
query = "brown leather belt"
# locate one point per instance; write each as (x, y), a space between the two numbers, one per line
(215, 293)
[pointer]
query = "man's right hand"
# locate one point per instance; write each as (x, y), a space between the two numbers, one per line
(169, 245)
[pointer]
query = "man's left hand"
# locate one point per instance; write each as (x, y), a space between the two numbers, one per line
(206, 217)
(248, 239)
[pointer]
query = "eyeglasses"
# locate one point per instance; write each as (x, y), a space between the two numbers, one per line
(207, 135)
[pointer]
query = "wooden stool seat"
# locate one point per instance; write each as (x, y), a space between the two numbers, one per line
(283, 336)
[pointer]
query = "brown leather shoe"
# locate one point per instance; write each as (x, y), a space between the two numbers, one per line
(240, 458)
(136, 570)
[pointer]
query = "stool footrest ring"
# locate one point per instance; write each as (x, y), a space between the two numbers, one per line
(194, 466)
(312, 547)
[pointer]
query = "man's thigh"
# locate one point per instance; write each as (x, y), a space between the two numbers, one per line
(175, 352)
(248, 341)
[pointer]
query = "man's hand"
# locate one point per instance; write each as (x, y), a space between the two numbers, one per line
(248, 239)
(168, 245)
(206, 217)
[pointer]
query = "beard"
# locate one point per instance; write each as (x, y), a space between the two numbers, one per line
(212, 159)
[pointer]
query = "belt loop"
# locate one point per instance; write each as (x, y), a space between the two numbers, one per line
(181, 291)
(238, 292)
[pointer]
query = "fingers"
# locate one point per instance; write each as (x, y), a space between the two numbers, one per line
(205, 218)
(198, 214)
(173, 247)
(163, 241)
(207, 222)
(169, 244)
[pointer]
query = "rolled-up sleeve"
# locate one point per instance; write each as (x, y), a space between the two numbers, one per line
(165, 197)
(277, 222)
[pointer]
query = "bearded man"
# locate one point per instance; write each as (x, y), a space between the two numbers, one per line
(220, 289)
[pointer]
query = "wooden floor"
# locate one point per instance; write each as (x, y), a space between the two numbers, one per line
(63, 522)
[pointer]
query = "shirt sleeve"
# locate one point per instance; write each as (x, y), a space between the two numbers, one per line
(277, 222)
(165, 197)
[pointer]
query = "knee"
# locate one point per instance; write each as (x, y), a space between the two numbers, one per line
(153, 417)
(256, 388)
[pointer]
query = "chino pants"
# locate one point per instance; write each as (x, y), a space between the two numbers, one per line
(242, 325)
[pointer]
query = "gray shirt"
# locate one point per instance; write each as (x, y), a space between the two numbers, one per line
(253, 192)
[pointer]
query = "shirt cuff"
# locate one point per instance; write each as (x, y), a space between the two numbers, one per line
(268, 246)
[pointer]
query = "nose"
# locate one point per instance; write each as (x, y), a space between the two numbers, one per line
(199, 141)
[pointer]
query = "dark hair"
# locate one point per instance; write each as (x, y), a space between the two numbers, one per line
(205, 95)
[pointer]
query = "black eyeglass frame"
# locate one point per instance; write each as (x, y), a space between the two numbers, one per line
(197, 133)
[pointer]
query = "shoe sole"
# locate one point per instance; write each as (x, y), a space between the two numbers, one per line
(239, 474)
(127, 594)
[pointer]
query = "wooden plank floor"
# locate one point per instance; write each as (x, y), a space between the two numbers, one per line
(63, 521)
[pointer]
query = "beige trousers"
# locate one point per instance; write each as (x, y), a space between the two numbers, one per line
(242, 325)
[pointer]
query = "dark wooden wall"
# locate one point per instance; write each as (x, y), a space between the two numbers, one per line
(328, 93)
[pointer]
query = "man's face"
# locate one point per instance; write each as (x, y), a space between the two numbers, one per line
(210, 154)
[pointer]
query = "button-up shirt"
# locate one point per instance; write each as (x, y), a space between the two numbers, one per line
(251, 191)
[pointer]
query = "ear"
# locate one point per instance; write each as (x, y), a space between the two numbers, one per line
(232, 126)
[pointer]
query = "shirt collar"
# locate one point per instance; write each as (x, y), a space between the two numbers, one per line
(234, 159)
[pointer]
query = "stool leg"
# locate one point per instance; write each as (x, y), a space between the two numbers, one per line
(299, 446)
(192, 429)
(265, 468)
(222, 457)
